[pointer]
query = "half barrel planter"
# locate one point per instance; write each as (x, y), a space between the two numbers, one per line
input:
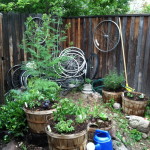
(107, 95)
(75, 141)
(37, 120)
(91, 130)
(132, 107)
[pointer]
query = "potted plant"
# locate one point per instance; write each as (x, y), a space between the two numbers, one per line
(87, 87)
(134, 103)
(68, 127)
(113, 87)
(98, 120)
(39, 98)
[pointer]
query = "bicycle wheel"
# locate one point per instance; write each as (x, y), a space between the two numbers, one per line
(106, 36)
(37, 29)
(16, 78)
(92, 66)
(9, 75)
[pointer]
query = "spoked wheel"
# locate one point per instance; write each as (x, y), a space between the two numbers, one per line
(36, 27)
(92, 66)
(16, 78)
(106, 36)
(10, 73)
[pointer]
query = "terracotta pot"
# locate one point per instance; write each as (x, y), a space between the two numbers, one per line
(75, 141)
(106, 95)
(37, 120)
(132, 107)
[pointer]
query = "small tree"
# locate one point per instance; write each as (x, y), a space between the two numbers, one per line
(41, 41)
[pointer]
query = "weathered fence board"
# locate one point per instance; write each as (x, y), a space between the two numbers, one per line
(136, 35)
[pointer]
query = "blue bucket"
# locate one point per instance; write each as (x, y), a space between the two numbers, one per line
(102, 140)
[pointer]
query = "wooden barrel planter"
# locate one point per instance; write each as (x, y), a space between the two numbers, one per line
(132, 107)
(106, 95)
(75, 141)
(91, 130)
(37, 120)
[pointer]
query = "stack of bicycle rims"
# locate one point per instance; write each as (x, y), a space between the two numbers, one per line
(74, 63)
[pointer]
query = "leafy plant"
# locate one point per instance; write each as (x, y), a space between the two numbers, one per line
(135, 135)
(43, 56)
(88, 81)
(12, 117)
(67, 109)
(64, 126)
(141, 96)
(103, 116)
(113, 81)
(130, 95)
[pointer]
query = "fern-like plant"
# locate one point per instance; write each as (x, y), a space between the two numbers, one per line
(42, 45)
(113, 81)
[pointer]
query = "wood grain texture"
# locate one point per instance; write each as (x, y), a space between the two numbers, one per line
(136, 35)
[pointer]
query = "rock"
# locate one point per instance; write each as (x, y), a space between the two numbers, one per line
(118, 145)
(116, 106)
(113, 132)
(144, 136)
(139, 123)
(11, 146)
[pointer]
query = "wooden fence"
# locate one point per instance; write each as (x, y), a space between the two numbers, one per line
(136, 35)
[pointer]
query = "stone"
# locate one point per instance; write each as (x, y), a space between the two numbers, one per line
(116, 106)
(144, 136)
(139, 123)
(117, 145)
(11, 146)
(87, 89)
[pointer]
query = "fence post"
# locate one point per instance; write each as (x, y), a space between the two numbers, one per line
(1, 62)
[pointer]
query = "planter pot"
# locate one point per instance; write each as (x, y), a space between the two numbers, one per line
(106, 95)
(91, 130)
(87, 89)
(75, 141)
(37, 120)
(132, 107)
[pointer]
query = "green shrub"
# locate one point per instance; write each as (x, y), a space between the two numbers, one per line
(113, 81)
(12, 117)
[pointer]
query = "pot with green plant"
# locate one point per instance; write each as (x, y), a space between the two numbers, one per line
(87, 87)
(134, 103)
(113, 87)
(98, 120)
(40, 96)
(68, 127)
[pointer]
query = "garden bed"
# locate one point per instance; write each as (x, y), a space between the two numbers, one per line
(120, 127)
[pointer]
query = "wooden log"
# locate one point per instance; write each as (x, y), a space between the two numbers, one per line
(75, 141)
(37, 120)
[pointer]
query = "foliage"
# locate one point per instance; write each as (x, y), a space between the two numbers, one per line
(113, 81)
(146, 9)
(97, 113)
(40, 89)
(43, 62)
(67, 107)
(66, 110)
(64, 126)
(130, 95)
(13, 117)
(88, 81)
(66, 8)
(135, 135)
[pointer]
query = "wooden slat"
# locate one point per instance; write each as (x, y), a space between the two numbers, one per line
(137, 74)
(136, 35)
(1, 62)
